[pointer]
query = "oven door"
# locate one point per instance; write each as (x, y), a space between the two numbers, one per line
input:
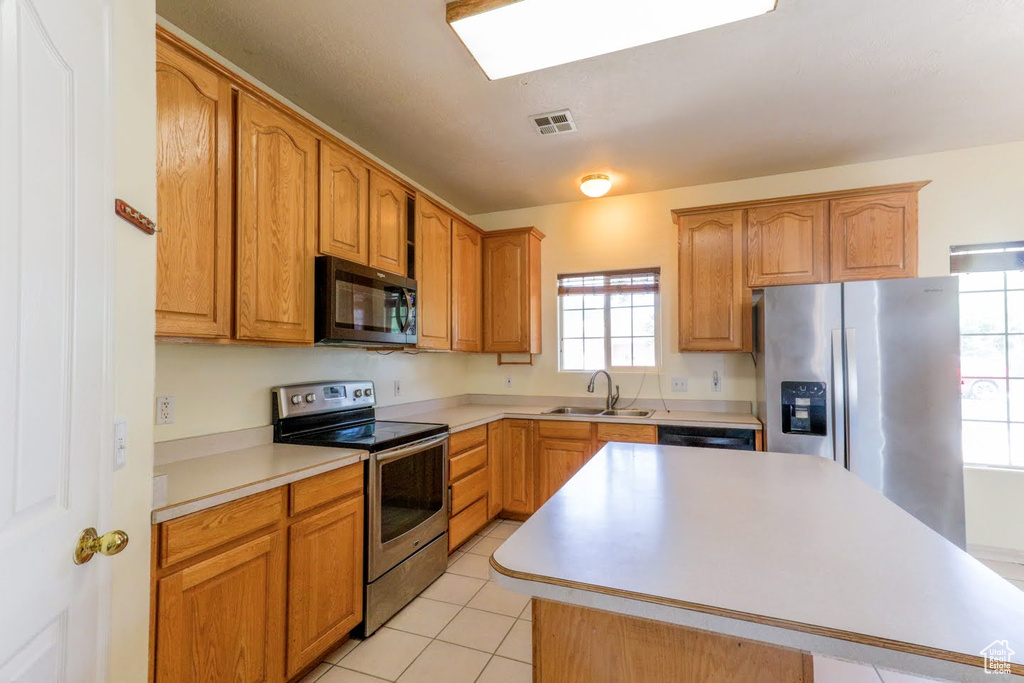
(360, 305)
(408, 502)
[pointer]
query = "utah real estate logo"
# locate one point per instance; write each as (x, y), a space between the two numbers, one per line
(997, 657)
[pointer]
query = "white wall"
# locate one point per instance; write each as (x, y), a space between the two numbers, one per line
(973, 197)
(134, 54)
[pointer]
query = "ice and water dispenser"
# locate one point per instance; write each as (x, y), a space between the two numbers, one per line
(803, 408)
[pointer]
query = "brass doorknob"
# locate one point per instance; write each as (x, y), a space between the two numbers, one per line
(110, 543)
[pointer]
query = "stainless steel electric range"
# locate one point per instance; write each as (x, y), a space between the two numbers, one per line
(406, 485)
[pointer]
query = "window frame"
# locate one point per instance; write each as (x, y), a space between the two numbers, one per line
(608, 366)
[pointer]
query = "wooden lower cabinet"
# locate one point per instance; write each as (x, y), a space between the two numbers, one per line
(557, 461)
(518, 467)
(495, 449)
(223, 619)
(469, 476)
(325, 582)
(266, 595)
(624, 433)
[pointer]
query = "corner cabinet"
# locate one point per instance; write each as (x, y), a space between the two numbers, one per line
(512, 298)
(433, 275)
(467, 288)
(714, 302)
(874, 236)
(277, 219)
(193, 169)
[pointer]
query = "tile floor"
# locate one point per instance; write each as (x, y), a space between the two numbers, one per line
(464, 628)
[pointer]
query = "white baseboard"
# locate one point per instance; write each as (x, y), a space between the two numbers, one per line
(987, 552)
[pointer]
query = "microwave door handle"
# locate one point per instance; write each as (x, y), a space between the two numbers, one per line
(408, 308)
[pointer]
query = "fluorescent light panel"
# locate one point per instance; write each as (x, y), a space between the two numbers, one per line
(536, 34)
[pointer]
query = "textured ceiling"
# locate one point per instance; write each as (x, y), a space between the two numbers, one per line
(816, 83)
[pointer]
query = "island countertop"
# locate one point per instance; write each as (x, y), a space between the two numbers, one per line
(785, 549)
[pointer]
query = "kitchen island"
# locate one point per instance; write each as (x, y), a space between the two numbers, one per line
(688, 564)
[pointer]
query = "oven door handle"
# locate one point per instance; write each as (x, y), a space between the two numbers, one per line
(414, 447)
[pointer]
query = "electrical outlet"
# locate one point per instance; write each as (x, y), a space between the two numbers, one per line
(398, 387)
(120, 443)
(716, 381)
(164, 410)
(679, 384)
(508, 381)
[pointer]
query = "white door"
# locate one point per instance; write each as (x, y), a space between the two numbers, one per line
(55, 218)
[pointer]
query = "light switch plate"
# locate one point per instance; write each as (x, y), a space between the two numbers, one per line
(120, 443)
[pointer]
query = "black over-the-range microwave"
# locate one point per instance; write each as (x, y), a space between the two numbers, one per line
(361, 306)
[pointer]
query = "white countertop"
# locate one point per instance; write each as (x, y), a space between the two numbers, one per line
(201, 483)
(472, 415)
(786, 549)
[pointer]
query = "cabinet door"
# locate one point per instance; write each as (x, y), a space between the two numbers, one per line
(193, 170)
(714, 304)
(557, 461)
(495, 467)
(506, 294)
(467, 288)
(517, 462)
(389, 230)
(786, 244)
(325, 584)
(344, 204)
(223, 619)
(874, 237)
(433, 275)
(277, 214)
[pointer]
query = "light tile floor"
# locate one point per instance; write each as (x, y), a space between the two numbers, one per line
(464, 628)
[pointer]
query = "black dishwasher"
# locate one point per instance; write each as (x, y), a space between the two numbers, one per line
(706, 437)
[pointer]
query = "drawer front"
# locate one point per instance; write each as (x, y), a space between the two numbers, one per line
(552, 429)
(323, 488)
(463, 525)
(186, 537)
(461, 465)
(460, 441)
(469, 489)
(627, 433)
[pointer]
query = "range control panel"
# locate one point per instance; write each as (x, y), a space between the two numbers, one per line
(323, 397)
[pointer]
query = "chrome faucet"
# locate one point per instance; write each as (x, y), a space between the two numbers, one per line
(612, 398)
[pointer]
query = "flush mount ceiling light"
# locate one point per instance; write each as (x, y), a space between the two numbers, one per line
(509, 37)
(595, 185)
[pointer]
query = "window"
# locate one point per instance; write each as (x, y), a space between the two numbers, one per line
(992, 351)
(609, 320)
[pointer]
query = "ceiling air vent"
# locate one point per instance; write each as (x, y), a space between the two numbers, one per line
(554, 122)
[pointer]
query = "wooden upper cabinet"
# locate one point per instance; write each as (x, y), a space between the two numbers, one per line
(874, 236)
(467, 288)
(276, 231)
(389, 230)
(325, 584)
(517, 460)
(193, 169)
(433, 275)
(512, 291)
(786, 244)
(223, 619)
(714, 303)
(344, 204)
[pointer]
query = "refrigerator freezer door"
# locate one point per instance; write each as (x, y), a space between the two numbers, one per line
(796, 325)
(903, 371)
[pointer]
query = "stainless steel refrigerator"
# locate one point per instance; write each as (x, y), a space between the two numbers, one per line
(868, 374)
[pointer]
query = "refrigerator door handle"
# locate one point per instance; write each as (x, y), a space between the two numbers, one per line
(838, 401)
(851, 393)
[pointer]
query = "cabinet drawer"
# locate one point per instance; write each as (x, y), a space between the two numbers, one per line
(461, 465)
(552, 429)
(469, 489)
(334, 485)
(186, 537)
(463, 525)
(460, 441)
(627, 433)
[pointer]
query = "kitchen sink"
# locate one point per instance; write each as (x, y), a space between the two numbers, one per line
(573, 410)
(627, 413)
